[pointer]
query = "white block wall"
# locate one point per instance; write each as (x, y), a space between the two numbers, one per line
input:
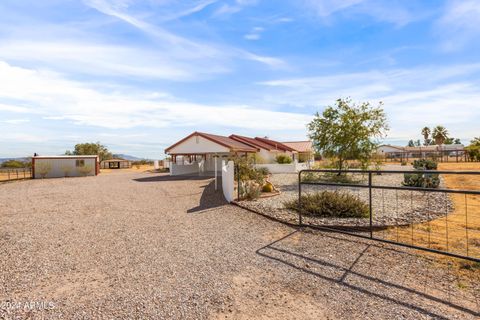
(228, 180)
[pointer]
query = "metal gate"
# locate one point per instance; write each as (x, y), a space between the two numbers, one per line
(437, 219)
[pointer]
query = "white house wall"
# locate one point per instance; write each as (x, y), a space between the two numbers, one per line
(198, 145)
(58, 167)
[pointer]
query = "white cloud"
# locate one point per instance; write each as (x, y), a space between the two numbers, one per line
(15, 121)
(459, 25)
(252, 36)
(55, 97)
(413, 97)
(392, 11)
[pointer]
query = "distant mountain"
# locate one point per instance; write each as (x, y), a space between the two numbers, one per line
(126, 157)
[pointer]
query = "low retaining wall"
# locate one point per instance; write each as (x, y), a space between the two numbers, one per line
(284, 168)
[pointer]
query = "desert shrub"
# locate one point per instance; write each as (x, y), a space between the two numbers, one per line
(404, 163)
(425, 164)
(85, 170)
(268, 187)
(263, 171)
(473, 152)
(66, 170)
(333, 204)
(419, 179)
(304, 157)
(283, 159)
(250, 190)
(43, 168)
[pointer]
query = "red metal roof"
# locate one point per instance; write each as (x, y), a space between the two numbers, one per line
(252, 142)
(275, 144)
(300, 146)
(227, 142)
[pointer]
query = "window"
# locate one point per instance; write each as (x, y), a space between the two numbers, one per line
(80, 163)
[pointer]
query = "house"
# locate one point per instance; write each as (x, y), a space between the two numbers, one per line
(203, 153)
(398, 152)
(304, 149)
(64, 166)
(116, 164)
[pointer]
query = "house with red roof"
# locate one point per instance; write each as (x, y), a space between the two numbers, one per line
(202, 152)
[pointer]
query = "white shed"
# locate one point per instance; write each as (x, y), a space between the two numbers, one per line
(64, 166)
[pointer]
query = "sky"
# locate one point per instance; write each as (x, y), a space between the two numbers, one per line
(140, 75)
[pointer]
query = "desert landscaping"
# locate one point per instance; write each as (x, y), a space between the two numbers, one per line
(137, 244)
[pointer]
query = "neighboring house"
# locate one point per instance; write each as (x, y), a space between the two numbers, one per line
(202, 152)
(304, 149)
(116, 164)
(391, 151)
(64, 166)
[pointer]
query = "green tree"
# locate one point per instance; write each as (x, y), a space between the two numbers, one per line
(91, 149)
(348, 131)
(426, 135)
(475, 142)
(411, 143)
(439, 135)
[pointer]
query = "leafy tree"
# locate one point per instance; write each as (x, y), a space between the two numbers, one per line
(418, 143)
(426, 135)
(411, 143)
(91, 149)
(475, 142)
(440, 134)
(348, 131)
(457, 141)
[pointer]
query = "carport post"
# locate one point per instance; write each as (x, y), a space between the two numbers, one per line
(215, 159)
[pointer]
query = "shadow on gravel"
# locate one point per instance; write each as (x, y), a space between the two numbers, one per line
(210, 198)
(358, 273)
(171, 178)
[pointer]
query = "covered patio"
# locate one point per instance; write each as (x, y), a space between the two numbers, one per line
(202, 154)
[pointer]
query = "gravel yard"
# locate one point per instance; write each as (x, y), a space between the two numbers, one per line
(143, 245)
(390, 207)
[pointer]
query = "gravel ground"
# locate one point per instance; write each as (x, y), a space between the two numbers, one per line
(140, 245)
(390, 207)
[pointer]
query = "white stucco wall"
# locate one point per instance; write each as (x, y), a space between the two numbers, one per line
(386, 149)
(57, 168)
(199, 145)
(228, 180)
(179, 169)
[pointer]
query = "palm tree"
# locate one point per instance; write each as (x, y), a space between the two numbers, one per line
(426, 134)
(440, 134)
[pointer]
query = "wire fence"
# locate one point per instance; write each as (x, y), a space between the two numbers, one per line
(15, 174)
(437, 219)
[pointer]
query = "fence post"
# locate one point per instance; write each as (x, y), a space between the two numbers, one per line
(370, 202)
(300, 198)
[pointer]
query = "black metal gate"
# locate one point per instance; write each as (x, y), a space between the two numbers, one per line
(435, 219)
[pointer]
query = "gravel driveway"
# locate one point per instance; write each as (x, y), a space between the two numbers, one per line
(142, 245)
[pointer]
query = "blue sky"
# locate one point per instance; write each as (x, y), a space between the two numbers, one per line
(139, 75)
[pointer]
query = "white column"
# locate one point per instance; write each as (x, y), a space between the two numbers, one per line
(215, 159)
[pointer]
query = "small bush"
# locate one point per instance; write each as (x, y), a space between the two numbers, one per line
(250, 190)
(404, 163)
(263, 171)
(421, 180)
(425, 164)
(283, 159)
(331, 204)
(15, 164)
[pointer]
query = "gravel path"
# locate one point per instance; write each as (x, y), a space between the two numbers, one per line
(139, 245)
(390, 207)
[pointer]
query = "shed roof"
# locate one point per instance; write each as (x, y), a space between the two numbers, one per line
(66, 157)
